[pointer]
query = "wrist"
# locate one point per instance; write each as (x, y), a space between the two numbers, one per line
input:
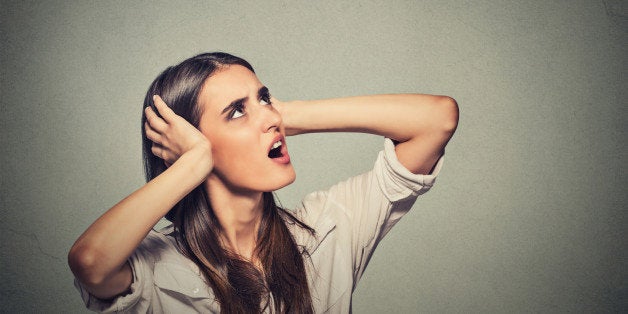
(198, 161)
(290, 116)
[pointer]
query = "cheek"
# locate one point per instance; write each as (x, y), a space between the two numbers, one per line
(234, 156)
(226, 155)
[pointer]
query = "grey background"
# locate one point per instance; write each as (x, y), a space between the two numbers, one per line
(528, 215)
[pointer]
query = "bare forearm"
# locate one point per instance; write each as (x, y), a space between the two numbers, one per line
(399, 117)
(421, 124)
(102, 250)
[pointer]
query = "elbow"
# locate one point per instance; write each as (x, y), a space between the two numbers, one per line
(448, 113)
(436, 118)
(84, 264)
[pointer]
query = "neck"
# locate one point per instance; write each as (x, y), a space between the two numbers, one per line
(239, 214)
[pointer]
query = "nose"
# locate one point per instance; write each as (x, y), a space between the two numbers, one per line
(271, 119)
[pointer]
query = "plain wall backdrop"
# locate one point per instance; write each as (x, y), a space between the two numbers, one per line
(528, 214)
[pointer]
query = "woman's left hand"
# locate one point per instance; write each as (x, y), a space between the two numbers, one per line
(283, 110)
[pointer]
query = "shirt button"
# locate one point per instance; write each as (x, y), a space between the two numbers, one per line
(195, 290)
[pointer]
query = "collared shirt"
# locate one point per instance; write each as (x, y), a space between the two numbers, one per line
(349, 220)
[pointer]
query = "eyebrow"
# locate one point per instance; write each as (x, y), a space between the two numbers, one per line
(238, 102)
(263, 91)
(234, 104)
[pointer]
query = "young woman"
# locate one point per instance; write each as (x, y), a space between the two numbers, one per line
(214, 151)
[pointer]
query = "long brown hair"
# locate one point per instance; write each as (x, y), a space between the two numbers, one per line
(237, 284)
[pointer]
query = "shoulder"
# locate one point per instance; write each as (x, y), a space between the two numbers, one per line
(160, 251)
(174, 274)
(159, 245)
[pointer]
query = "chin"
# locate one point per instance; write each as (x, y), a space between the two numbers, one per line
(287, 181)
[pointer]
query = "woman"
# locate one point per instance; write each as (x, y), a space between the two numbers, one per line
(214, 151)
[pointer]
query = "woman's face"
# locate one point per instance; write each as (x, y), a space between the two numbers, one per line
(243, 128)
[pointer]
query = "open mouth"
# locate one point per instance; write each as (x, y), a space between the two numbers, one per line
(275, 151)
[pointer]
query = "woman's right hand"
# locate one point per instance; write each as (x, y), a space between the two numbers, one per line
(99, 256)
(173, 136)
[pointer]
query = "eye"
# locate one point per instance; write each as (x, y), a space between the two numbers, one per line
(265, 100)
(236, 112)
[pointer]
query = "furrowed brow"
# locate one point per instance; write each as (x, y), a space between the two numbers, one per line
(234, 104)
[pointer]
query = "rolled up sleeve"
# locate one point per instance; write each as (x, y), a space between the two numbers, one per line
(137, 300)
(375, 201)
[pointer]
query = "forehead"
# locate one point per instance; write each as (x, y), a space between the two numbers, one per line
(226, 85)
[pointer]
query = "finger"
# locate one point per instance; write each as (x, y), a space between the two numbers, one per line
(157, 150)
(152, 134)
(278, 105)
(161, 152)
(157, 123)
(163, 109)
(164, 154)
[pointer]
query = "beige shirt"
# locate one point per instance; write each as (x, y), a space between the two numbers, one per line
(350, 219)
